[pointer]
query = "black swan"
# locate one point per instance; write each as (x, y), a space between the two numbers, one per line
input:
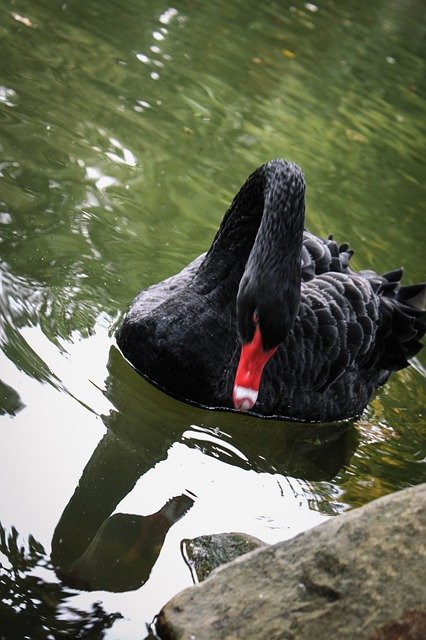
(271, 319)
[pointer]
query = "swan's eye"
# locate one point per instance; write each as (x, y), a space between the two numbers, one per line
(255, 318)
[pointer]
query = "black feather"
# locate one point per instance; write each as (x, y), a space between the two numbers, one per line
(393, 276)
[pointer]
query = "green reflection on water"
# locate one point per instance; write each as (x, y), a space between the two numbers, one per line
(126, 129)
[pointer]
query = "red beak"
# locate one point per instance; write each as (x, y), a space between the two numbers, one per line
(249, 372)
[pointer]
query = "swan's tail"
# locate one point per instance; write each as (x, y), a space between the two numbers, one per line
(403, 320)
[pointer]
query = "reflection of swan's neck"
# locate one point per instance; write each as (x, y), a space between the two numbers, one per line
(92, 549)
(124, 550)
(108, 477)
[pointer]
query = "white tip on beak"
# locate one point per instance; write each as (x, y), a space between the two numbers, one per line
(244, 398)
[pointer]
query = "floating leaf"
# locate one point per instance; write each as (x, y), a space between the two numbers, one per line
(288, 54)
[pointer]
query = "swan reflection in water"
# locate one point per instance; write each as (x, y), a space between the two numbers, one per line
(94, 548)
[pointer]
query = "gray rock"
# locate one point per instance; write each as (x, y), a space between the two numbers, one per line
(205, 553)
(359, 576)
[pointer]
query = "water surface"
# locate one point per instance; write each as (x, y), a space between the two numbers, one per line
(125, 131)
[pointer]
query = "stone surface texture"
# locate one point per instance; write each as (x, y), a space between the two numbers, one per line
(359, 576)
(205, 553)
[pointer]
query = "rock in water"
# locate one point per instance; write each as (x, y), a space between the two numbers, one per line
(205, 553)
(359, 576)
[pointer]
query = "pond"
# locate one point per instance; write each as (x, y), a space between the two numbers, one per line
(125, 131)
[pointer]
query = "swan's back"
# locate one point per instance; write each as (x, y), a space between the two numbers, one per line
(352, 330)
(389, 317)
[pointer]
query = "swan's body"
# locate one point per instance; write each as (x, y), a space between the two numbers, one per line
(327, 336)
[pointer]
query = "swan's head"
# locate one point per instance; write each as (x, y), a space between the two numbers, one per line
(264, 321)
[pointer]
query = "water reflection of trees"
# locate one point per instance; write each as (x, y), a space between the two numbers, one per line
(80, 242)
(40, 608)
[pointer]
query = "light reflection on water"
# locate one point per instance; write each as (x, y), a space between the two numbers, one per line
(270, 506)
(124, 136)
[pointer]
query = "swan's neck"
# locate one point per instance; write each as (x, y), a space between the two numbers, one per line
(255, 260)
(270, 285)
(269, 292)
(262, 228)
(230, 249)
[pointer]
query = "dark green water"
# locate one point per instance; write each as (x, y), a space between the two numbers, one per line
(125, 130)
